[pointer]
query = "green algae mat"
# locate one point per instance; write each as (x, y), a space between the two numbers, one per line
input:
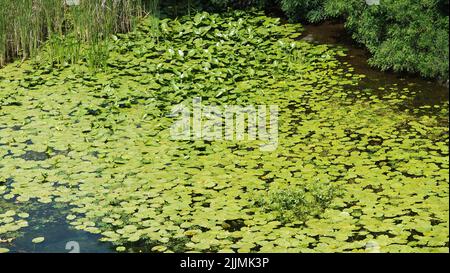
(354, 167)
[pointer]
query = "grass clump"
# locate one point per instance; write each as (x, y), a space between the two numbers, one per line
(298, 204)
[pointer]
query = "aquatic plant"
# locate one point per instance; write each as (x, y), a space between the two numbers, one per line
(25, 26)
(100, 142)
(298, 204)
(401, 35)
(11, 222)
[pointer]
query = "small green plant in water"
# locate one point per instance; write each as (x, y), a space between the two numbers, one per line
(298, 204)
(63, 50)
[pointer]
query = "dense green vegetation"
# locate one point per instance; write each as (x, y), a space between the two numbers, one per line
(353, 164)
(74, 31)
(401, 35)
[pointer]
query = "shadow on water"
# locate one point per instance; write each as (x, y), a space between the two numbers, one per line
(427, 92)
(49, 221)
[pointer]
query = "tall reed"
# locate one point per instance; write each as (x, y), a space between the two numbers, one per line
(25, 25)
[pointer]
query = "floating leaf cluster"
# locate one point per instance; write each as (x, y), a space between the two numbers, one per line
(101, 143)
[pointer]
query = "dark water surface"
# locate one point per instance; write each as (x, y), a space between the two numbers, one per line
(49, 221)
(428, 92)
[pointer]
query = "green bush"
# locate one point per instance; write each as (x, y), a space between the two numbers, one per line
(403, 35)
(303, 10)
(238, 3)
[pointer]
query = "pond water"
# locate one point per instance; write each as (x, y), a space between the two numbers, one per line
(50, 222)
(88, 157)
(428, 92)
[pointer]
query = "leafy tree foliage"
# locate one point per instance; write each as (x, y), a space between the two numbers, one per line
(403, 35)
